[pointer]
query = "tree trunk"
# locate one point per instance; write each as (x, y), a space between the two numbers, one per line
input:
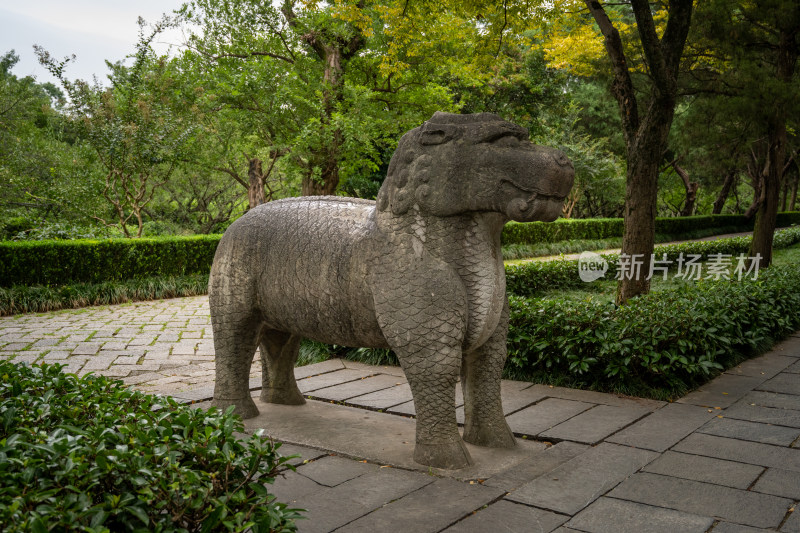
(764, 231)
(719, 203)
(638, 239)
(793, 195)
(758, 196)
(334, 52)
(255, 190)
(691, 190)
(645, 139)
(784, 191)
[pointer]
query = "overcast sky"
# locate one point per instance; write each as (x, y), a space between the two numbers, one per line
(93, 30)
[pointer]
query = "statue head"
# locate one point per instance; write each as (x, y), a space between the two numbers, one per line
(455, 164)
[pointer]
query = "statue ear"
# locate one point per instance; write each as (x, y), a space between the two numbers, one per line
(432, 134)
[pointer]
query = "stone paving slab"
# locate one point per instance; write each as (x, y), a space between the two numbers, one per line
(578, 482)
(385, 398)
(742, 451)
(315, 383)
(780, 483)
(506, 516)
(544, 415)
(765, 415)
(609, 514)
(768, 366)
(359, 387)
(663, 428)
(705, 469)
(751, 431)
(428, 510)
(594, 425)
(784, 382)
(331, 470)
(538, 464)
(771, 399)
(738, 506)
(332, 508)
(789, 347)
(723, 391)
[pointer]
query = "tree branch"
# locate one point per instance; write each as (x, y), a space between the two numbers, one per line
(622, 86)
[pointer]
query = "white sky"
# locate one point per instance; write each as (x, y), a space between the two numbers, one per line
(93, 30)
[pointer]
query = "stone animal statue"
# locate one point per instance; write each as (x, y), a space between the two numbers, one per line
(419, 271)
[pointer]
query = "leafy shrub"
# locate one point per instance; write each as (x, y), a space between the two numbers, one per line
(87, 454)
(606, 228)
(662, 340)
(63, 231)
(39, 298)
(62, 262)
(534, 277)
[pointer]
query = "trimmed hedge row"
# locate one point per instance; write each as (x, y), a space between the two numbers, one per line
(534, 277)
(41, 299)
(663, 340)
(88, 454)
(606, 228)
(61, 262)
(93, 261)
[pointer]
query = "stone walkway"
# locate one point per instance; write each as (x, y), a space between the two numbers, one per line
(724, 459)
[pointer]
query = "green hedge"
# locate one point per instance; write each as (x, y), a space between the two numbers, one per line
(606, 228)
(61, 262)
(667, 340)
(86, 454)
(534, 277)
(42, 298)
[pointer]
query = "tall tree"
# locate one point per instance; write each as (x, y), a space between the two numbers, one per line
(785, 30)
(646, 127)
(749, 54)
(138, 137)
(309, 84)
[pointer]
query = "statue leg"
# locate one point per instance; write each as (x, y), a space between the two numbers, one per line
(236, 334)
(421, 308)
(481, 372)
(432, 373)
(279, 352)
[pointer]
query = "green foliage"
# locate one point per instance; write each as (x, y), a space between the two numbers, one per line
(561, 230)
(136, 132)
(61, 262)
(88, 454)
(523, 251)
(667, 340)
(40, 299)
(532, 278)
(605, 228)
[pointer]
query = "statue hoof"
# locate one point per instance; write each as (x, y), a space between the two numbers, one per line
(282, 396)
(451, 455)
(244, 407)
(490, 436)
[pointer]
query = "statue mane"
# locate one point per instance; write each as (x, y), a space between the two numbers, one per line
(410, 165)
